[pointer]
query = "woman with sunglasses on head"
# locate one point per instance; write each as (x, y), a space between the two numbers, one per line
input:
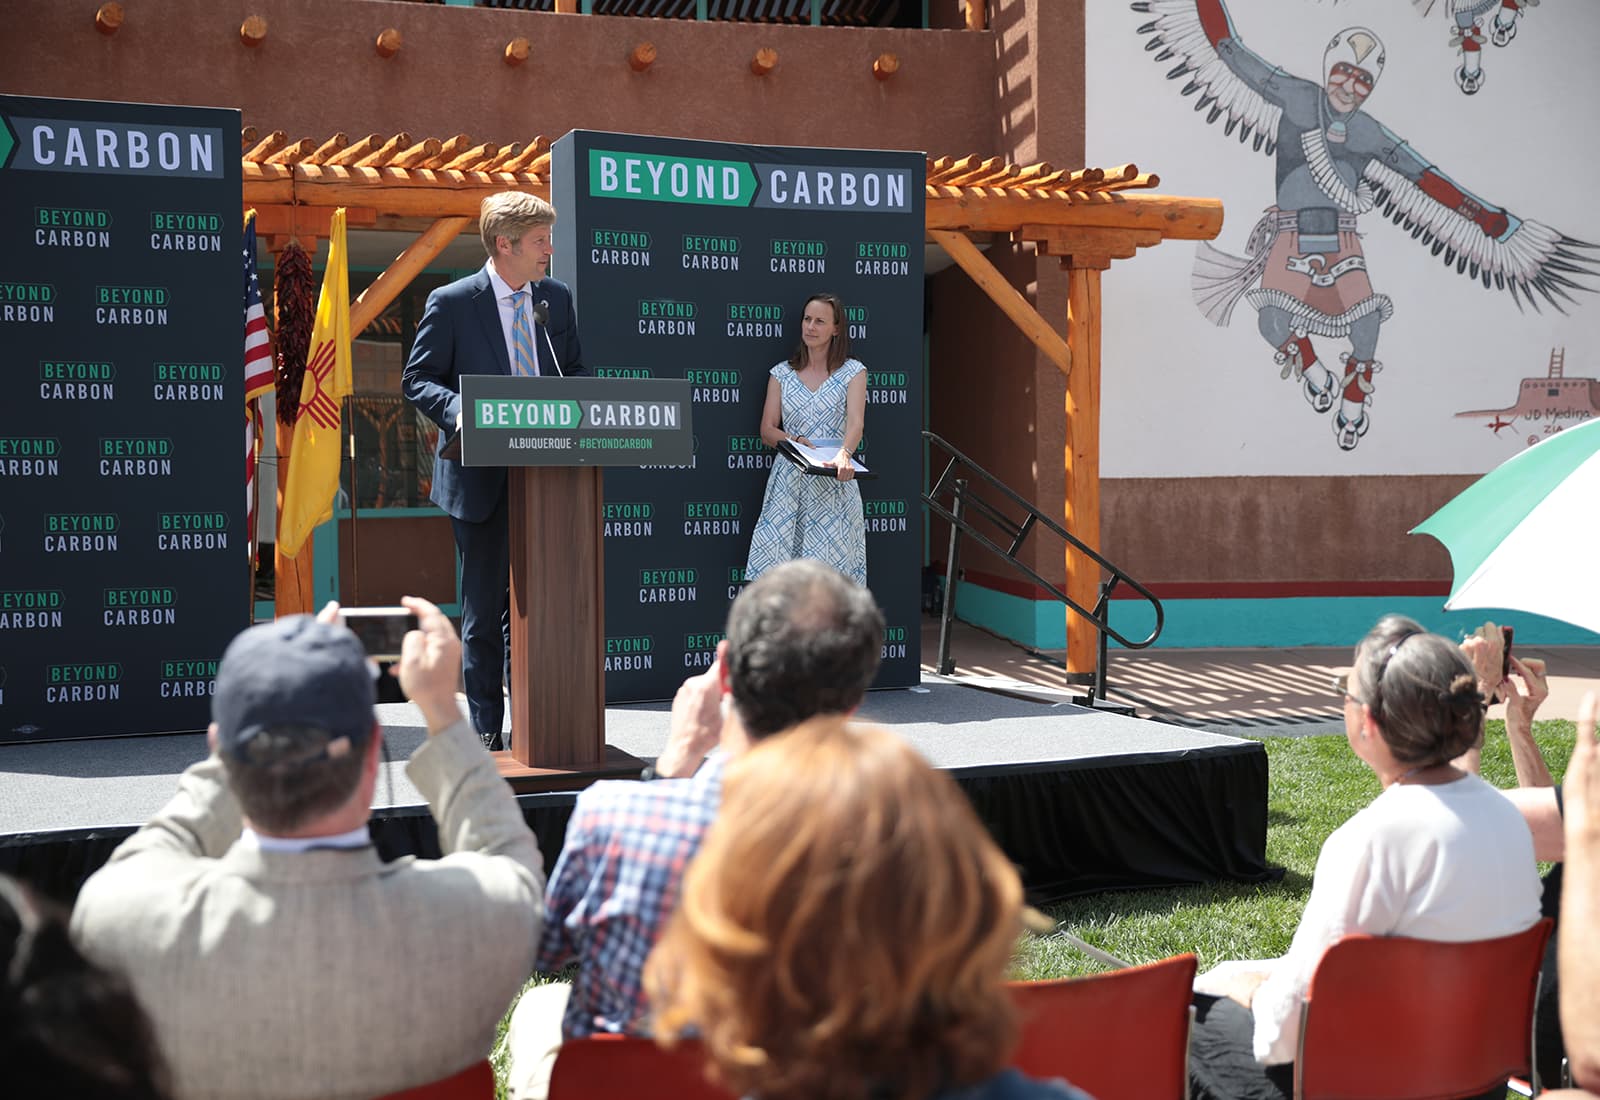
(1438, 855)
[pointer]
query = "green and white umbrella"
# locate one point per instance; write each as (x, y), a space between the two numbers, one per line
(1523, 536)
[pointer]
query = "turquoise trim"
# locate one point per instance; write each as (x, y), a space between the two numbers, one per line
(265, 611)
(324, 563)
(1244, 623)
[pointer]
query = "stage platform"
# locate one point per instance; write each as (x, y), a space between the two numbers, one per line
(1082, 800)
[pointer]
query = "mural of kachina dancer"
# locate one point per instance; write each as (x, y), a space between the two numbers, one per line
(1466, 31)
(1548, 404)
(1334, 164)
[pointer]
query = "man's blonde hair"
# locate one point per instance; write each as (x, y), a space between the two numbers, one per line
(847, 925)
(511, 214)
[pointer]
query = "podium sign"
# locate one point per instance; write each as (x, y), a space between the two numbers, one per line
(574, 421)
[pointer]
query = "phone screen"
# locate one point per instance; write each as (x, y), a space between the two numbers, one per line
(1505, 655)
(381, 629)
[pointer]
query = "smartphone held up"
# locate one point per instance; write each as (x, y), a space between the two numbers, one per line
(382, 630)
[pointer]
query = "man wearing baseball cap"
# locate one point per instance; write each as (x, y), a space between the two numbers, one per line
(277, 954)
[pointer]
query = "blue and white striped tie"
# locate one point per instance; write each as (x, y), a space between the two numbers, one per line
(525, 362)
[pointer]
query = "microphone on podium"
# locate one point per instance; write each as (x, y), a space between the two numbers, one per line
(541, 317)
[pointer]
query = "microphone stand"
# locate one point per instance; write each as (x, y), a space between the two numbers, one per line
(541, 317)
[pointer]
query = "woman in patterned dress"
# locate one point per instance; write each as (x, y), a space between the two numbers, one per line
(817, 397)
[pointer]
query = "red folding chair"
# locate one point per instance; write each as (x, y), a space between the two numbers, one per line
(615, 1067)
(1121, 1034)
(1391, 1018)
(476, 1082)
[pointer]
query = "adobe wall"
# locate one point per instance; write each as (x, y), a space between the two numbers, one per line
(317, 72)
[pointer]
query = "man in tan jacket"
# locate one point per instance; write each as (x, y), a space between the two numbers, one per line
(276, 953)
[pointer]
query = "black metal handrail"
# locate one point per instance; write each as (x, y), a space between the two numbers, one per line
(950, 481)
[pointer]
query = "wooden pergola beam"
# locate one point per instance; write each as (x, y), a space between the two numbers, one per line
(1189, 219)
(436, 193)
(371, 302)
(1006, 296)
(393, 191)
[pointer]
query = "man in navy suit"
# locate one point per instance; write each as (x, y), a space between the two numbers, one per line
(510, 318)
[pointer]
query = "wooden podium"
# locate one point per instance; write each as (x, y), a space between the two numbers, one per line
(554, 435)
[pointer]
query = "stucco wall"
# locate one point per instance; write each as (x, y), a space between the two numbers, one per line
(318, 72)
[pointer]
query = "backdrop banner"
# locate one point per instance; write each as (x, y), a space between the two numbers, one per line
(693, 259)
(124, 564)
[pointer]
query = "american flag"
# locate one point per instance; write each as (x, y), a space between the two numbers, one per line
(257, 372)
(257, 352)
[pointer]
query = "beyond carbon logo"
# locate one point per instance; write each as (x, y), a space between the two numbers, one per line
(619, 248)
(714, 387)
(700, 650)
(81, 532)
(894, 643)
(756, 320)
(70, 227)
(29, 456)
(186, 679)
(630, 653)
(180, 531)
(887, 388)
(96, 683)
(884, 517)
(669, 585)
(710, 517)
(622, 520)
(31, 609)
(28, 303)
(710, 253)
(61, 380)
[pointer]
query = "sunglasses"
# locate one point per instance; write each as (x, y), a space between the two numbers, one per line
(1341, 685)
(1341, 682)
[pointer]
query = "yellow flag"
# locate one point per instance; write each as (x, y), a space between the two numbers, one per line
(313, 477)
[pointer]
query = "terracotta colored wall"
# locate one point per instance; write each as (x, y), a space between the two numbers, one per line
(1268, 530)
(317, 72)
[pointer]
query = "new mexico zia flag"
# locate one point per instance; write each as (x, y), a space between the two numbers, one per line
(314, 458)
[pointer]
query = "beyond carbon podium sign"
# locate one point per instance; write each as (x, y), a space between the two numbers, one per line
(691, 260)
(124, 567)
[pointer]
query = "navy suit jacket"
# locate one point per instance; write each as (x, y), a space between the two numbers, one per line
(460, 334)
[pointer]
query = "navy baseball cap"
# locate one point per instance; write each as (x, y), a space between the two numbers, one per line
(294, 671)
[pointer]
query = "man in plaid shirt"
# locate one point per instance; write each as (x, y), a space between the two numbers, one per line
(801, 641)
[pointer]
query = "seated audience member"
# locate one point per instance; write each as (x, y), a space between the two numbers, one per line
(67, 1027)
(1580, 905)
(1439, 855)
(801, 641)
(846, 931)
(277, 954)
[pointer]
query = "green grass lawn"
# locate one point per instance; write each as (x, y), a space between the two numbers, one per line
(1314, 784)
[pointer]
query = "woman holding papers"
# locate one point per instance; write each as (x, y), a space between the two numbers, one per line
(816, 400)
(1438, 855)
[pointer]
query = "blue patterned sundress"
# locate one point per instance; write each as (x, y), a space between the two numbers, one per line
(803, 515)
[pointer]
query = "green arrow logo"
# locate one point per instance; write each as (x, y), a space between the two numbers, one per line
(519, 414)
(620, 175)
(8, 141)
